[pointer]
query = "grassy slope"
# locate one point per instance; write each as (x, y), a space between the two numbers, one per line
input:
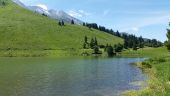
(159, 83)
(21, 29)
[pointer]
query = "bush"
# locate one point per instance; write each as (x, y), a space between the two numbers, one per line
(146, 64)
(96, 49)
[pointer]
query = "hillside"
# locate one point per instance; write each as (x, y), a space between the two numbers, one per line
(21, 29)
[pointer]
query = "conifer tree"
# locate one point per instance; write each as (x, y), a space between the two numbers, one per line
(72, 21)
(92, 43)
(59, 23)
(95, 42)
(62, 23)
(85, 39)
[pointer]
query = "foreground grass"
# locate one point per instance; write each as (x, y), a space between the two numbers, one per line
(158, 69)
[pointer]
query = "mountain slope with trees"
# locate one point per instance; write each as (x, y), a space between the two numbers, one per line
(21, 29)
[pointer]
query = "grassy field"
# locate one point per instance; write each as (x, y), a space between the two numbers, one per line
(147, 52)
(27, 33)
(158, 70)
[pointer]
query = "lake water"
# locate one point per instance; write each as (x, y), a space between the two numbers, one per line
(68, 77)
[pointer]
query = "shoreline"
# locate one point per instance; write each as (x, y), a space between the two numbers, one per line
(156, 83)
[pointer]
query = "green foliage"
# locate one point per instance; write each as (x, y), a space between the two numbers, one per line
(93, 43)
(146, 64)
(131, 41)
(168, 36)
(86, 44)
(62, 23)
(72, 21)
(109, 50)
(85, 39)
(118, 47)
(96, 50)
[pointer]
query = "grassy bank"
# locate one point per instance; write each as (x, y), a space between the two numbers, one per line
(157, 68)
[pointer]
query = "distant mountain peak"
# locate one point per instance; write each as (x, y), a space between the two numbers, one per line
(54, 14)
(19, 3)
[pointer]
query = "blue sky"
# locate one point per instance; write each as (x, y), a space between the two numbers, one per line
(148, 18)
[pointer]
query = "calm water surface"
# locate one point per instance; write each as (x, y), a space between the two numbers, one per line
(68, 77)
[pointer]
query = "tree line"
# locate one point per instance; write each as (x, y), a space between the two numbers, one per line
(62, 23)
(130, 41)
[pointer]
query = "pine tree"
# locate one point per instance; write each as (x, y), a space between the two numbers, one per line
(95, 42)
(96, 49)
(118, 34)
(134, 46)
(84, 45)
(72, 21)
(92, 43)
(84, 24)
(125, 43)
(110, 50)
(85, 39)
(62, 23)
(59, 23)
(3, 3)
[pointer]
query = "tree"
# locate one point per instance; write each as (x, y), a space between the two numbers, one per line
(92, 43)
(95, 42)
(118, 34)
(118, 47)
(62, 23)
(85, 45)
(3, 3)
(85, 39)
(96, 49)
(168, 36)
(72, 21)
(110, 50)
(125, 43)
(44, 14)
(134, 46)
(84, 24)
(141, 42)
(59, 23)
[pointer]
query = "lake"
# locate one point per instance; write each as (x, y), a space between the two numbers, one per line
(68, 77)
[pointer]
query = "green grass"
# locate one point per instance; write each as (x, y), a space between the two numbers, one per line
(158, 69)
(147, 52)
(21, 29)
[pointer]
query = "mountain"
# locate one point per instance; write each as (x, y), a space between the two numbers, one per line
(19, 3)
(39, 10)
(26, 33)
(59, 15)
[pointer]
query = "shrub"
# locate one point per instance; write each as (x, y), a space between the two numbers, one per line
(146, 64)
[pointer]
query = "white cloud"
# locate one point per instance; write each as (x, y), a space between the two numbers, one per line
(43, 6)
(78, 13)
